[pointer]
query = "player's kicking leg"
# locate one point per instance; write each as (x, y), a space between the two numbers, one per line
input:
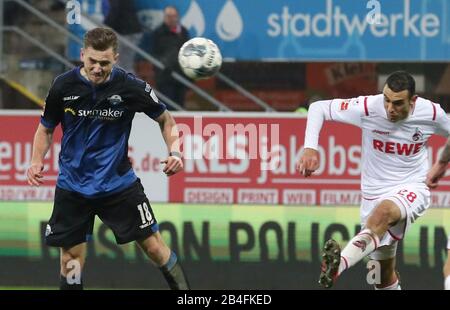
(386, 214)
(72, 261)
(331, 257)
(167, 261)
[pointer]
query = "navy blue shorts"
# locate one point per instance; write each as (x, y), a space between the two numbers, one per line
(127, 213)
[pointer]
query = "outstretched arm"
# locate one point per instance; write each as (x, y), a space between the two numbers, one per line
(439, 168)
(309, 161)
(347, 111)
(169, 130)
(41, 144)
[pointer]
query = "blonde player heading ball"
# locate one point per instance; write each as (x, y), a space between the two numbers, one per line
(396, 126)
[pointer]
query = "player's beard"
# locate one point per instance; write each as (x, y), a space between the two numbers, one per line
(397, 117)
(393, 118)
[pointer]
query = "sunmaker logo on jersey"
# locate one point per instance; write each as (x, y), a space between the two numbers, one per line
(105, 114)
(108, 114)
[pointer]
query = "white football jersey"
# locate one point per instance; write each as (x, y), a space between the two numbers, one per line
(392, 153)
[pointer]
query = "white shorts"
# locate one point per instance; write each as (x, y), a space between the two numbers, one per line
(412, 199)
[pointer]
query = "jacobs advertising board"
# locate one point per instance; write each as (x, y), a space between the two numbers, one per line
(244, 158)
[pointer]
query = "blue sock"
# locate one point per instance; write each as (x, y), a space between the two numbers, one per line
(171, 262)
(174, 274)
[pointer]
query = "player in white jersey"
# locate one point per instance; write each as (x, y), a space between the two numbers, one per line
(434, 175)
(396, 126)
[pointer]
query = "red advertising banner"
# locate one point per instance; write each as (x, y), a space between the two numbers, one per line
(272, 178)
(16, 140)
(244, 158)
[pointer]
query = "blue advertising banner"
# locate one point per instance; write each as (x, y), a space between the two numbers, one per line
(321, 30)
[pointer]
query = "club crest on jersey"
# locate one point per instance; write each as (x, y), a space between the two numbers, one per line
(418, 135)
(115, 99)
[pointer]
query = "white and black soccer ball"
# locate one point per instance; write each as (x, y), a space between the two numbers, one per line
(199, 58)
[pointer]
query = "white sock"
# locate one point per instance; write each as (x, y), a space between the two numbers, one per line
(393, 287)
(356, 249)
(447, 283)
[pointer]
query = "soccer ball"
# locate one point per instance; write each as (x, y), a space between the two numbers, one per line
(199, 58)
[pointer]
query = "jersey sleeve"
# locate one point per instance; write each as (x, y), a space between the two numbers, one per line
(53, 109)
(442, 121)
(144, 99)
(348, 111)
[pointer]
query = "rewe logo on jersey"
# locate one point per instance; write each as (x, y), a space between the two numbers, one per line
(389, 147)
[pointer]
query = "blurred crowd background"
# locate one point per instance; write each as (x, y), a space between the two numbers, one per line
(271, 62)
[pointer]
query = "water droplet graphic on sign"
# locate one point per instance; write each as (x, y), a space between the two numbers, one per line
(229, 24)
(195, 19)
